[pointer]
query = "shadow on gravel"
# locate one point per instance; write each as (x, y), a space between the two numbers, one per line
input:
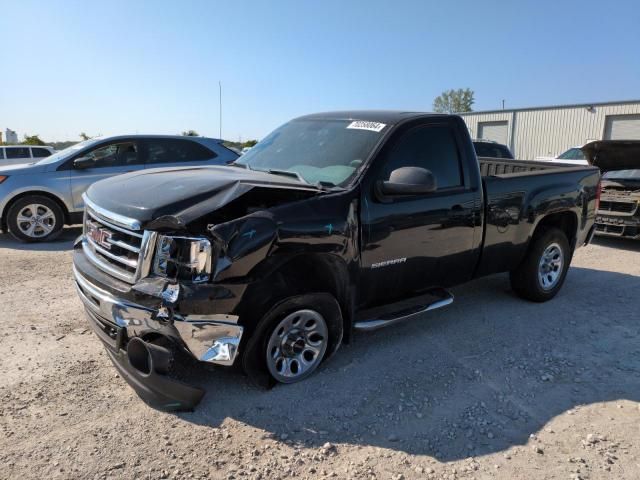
(619, 243)
(472, 379)
(63, 242)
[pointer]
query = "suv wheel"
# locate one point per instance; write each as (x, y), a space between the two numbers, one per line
(35, 219)
(542, 272)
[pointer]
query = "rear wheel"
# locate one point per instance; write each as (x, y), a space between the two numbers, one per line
(35, 219)
(542, 272)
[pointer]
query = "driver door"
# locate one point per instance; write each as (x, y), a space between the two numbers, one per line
(411, 243)
(108, 160)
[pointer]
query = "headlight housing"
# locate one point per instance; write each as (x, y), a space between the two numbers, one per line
(185, 259)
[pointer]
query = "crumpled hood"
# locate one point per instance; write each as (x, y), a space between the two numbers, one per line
(609, 155)
(175, 197)
(22, 169)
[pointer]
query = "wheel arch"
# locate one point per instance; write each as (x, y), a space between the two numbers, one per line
(42, 193)
(298, 275)
(566, 221)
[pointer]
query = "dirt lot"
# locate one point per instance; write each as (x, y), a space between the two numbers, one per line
(491, 387)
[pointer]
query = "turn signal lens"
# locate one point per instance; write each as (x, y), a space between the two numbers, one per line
(3, 178)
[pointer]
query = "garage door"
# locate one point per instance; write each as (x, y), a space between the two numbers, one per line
(496, 131)
(622, 127)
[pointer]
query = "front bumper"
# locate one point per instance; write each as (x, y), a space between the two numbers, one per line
(212, 339)
(209, 338)
(618, 226)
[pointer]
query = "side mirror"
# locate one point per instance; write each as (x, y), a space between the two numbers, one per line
(408, 181)
(83, 162)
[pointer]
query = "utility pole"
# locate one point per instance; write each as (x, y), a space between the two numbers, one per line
(503, 104)
(220, 106)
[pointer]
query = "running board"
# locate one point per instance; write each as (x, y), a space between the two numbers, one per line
(439, 298)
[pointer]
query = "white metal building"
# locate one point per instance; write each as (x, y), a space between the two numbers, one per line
(547, 131)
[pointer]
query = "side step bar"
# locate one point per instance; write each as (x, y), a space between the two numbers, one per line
(436, 298)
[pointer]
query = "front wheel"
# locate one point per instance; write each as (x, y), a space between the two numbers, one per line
(293, 338)
(542, 272)
(35, 218)
(296, 346)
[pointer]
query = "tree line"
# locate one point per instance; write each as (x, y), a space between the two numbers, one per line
(449, 101)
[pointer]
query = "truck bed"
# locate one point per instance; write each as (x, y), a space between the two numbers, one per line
(491, 167)
(515, 190)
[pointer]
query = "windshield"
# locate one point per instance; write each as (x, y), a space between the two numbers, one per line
(572, 154)
(67, 152)
(318, 150)
(623, 174)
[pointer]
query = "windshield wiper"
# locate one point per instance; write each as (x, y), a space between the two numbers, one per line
(287, 173)
(239, 165)
(327, 185)
(320, 185)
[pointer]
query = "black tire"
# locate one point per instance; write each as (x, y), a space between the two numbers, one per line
(254, 359)
(536, 279)
(40, 234)
(528, 280)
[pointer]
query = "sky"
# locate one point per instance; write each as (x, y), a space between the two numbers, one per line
(113, 67)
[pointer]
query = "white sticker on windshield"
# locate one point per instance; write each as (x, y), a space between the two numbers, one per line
(362, 125)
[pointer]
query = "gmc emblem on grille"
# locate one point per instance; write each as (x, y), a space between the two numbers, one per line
(99, 235)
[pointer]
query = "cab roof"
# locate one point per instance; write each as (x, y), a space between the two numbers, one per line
(388, 117)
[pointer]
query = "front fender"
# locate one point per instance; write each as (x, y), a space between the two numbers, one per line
(18, 191)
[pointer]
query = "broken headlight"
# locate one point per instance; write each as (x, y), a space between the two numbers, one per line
(185, 259)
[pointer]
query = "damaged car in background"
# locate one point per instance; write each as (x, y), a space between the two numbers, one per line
(334, 223)
(619, 212)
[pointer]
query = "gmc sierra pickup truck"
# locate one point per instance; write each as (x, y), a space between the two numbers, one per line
(334, 222)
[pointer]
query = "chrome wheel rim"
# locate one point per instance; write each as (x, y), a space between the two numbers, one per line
(550, 266)
(297, 345)
(36, 220)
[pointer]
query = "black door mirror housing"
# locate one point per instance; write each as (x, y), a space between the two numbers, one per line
(83, 162)
(408, 181)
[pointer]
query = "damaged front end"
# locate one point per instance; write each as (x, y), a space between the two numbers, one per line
(149, 289)
(142, 340)
(618, 214)
(132, 284)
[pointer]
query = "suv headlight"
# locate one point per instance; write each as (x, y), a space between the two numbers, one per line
(184, 259)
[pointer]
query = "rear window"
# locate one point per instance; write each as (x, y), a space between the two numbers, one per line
(492, 150)
(18, 152)
(176, 151)
(40, 152)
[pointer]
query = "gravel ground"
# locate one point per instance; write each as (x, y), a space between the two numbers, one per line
(490, 387)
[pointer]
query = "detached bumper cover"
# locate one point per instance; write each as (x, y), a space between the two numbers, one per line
(159, 391)
(212, 339)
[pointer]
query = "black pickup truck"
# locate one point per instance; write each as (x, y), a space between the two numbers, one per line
(334, 222)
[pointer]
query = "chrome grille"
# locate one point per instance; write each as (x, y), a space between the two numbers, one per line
(116, 244)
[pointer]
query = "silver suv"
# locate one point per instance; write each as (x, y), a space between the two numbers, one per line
(38, 199)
